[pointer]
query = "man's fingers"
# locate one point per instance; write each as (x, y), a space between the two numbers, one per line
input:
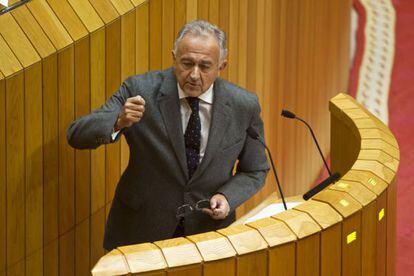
(137, 100)
(134, 106)
(213, 203)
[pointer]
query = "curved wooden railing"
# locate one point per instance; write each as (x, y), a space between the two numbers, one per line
(347, 229)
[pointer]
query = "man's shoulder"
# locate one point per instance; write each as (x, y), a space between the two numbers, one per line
(237, 93)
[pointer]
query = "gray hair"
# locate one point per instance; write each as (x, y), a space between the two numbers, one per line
(201, 28)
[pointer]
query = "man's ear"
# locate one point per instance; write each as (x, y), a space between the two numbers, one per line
(223, 65)
(173, 55)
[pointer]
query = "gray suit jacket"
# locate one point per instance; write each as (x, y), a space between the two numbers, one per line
(156, 181)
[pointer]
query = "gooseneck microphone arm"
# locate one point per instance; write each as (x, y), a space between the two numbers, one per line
(291, 115)
(255, 136)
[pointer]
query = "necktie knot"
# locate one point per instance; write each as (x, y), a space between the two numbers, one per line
(194, 103)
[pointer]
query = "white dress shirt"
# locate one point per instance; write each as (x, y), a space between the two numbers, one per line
(205, 108)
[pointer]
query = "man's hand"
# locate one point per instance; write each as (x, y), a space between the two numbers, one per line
(219, 207)
(131, 113)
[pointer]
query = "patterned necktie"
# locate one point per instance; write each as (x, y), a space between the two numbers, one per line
(192, 136)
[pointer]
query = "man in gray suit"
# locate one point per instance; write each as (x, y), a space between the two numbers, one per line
(185, 128)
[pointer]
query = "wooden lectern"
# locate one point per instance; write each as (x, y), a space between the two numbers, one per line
(347, 229)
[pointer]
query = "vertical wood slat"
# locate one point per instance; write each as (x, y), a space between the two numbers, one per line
(51, 167)
(34, 169)
(142, 39)
(155, 34)
(3, 181)
(128, 60)
(82, 158)
(113, 79)
(66, 101)
(167, 33)
(97, 222)
(15, 172)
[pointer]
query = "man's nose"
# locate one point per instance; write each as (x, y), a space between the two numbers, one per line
(195, 73)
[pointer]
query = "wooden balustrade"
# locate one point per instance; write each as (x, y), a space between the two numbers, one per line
(347, 229)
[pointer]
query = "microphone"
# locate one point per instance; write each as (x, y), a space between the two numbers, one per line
(291, 115)
(331, 179)
(255, 136)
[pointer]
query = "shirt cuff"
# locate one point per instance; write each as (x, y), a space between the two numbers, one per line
(114, 135)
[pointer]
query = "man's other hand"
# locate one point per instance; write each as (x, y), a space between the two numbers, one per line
(131, 113)
(219, 207)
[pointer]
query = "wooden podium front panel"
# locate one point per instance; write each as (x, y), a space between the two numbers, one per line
(221, 267)
(381, 219)
(351, 245)
(331, 251)
(369, 239)
(308, 256)
(252, 264)
(391, 227)
(282, 260)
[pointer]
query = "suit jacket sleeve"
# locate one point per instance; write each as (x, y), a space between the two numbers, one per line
(252, 167)
(94, 129)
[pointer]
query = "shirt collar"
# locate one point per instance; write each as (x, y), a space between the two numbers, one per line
(205, 97)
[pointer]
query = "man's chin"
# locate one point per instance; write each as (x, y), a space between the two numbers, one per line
(193, 92)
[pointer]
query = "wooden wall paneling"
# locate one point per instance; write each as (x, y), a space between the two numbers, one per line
(217, 253)
(113, 80)
(51, 166)
(15, 170)
(50, 24)
(233, 41)
(34, 169)
(155, 34)
(191, 13)
(128, 59)
(351, 249)
(3, 179)
(250, 77)
(86, 14)
(33, 31)
(142, 38)
(381, 230)
(69, 18)
(180, 14)
(333, 50)
(330, 237)
(391, 227)
(349, 208)
(289, 149)
(122, 6)
(308, 255)
(345, 8)
(224, 24)
(308, 244)
(369, 239)
(282, 245)
(213, 12)
(66, 100)
(82, 158)
(251, 249)
(167, 33)
(97, 63)
(105, 10)
(202, 9)
(181, 256)
(282, 260)
(17, 41)
(242, 43)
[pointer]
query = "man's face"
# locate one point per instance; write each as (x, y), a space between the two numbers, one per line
(197, 63)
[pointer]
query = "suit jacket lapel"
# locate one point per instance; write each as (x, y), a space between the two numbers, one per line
(219, 121)
(169, 105)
